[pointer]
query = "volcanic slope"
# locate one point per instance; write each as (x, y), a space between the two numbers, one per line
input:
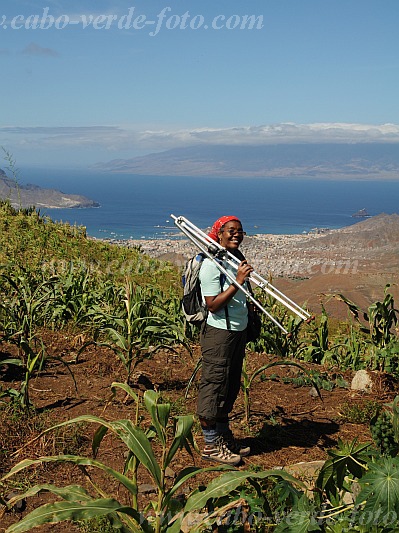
(357, 261)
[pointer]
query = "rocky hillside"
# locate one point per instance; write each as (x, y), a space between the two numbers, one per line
(357, 261)
(373, 240)
(32, 195)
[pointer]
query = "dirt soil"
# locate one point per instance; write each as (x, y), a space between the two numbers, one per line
(287, 425)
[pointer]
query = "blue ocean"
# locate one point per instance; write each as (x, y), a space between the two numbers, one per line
(139, 207)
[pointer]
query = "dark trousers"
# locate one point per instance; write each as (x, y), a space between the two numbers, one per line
(222, 357)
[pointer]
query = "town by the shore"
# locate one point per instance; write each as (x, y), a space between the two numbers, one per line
(270, 255)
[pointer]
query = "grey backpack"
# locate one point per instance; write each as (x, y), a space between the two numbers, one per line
(193, 306)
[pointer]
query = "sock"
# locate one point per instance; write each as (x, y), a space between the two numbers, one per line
(210, 435)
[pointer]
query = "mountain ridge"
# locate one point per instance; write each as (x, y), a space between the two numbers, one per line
(306, 160)
(32, 195)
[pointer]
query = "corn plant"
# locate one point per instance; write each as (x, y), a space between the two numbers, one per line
(26, 297)
(320, 351)
(353, 350)
(383, 317)
(171, 326)
(380, 325)
(74, 296)
(138, 328)
(78, 504)
(163, 514)
(24, 307)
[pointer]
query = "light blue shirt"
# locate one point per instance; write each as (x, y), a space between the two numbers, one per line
(236, 308)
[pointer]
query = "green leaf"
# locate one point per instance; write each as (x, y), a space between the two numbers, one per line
(300, 519)
(97, 439)
(224, 484)
(182, 431)
(126, 388)
(151, 399)
(163, 413)
(60, 511)
(138, 443)
(286, 493)
(188, 473)
(193, 375)
(380, 489)
(175, 527)
(85, 418)
(82, 461)
(347, 458)
(118, 338)
(16, 362)
(353, 308)
(133, 437)
(70, 493)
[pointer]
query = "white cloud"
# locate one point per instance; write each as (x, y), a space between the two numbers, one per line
(272, 134)
(131, 142)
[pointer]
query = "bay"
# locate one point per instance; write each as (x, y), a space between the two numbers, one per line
(138, 207)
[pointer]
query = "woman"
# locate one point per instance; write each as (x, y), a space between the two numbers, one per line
(223, 339)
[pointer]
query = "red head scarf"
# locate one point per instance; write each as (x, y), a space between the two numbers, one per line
(214, 233)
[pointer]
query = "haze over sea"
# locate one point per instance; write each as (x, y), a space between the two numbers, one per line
(135, 207)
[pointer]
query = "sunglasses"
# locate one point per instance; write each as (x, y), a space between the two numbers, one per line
(235, 231)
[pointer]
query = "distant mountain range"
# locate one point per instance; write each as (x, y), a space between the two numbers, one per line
(322, 160)
(32, 195)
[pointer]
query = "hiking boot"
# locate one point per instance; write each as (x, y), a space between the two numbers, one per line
(234, 446)
(220, 453)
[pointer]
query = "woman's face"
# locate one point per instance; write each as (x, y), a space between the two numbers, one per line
(231, 235)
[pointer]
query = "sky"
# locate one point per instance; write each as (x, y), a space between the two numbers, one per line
(90, 81)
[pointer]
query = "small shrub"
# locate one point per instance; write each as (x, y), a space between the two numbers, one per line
(359, 413)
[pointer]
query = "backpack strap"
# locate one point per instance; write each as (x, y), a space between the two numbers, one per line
(249, 287)
(222, 279)
(226, 312)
